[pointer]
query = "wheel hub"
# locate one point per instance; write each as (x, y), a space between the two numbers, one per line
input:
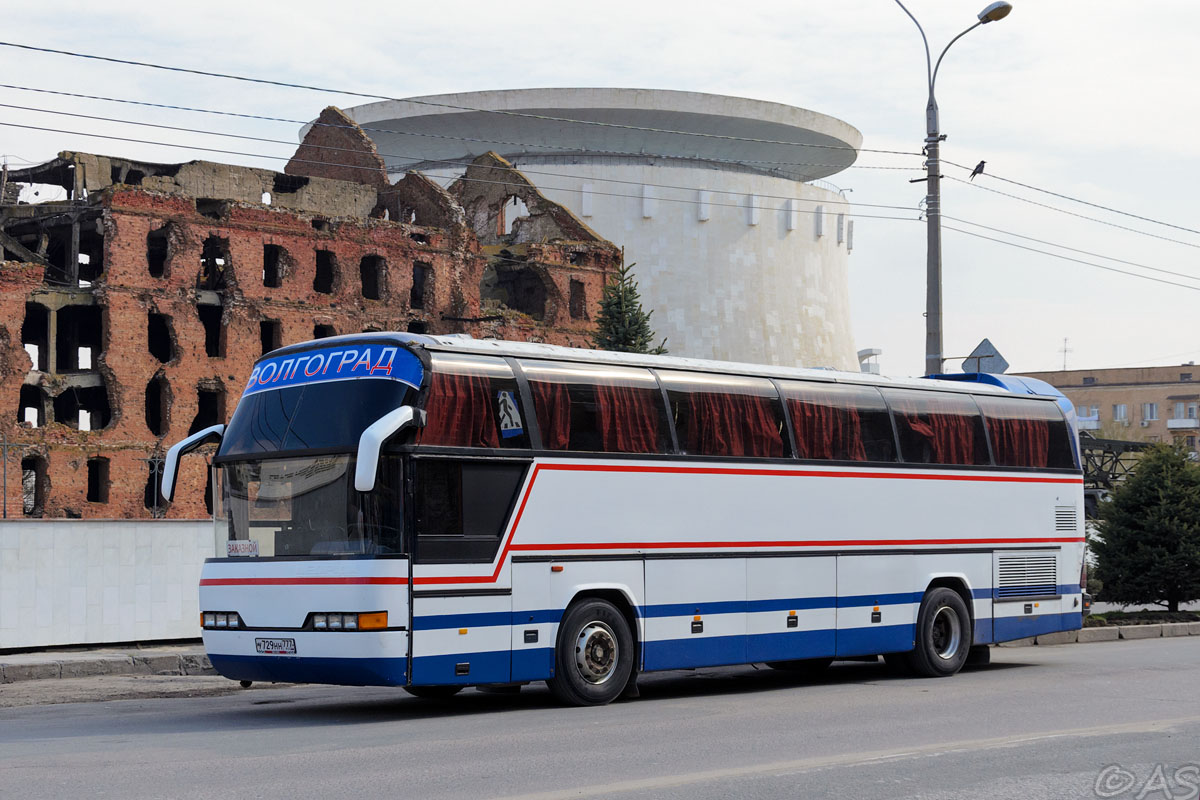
(946, 633)
(596, 652)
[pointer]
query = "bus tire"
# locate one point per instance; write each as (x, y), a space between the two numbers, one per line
(943, 636)
(593, 658)
(433, 692)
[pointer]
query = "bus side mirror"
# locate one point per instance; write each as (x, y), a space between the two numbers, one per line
(180, 449)
(373, 438)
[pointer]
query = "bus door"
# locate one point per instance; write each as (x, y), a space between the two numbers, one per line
(461, 595)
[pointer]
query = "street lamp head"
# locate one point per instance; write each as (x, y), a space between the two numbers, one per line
(994, 11)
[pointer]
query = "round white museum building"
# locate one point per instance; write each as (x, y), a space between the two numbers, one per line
(738, 252)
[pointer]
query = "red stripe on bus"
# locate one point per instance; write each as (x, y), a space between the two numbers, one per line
(303, 581)
(806, 543)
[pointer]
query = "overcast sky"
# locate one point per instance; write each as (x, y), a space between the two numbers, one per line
(1092, 100)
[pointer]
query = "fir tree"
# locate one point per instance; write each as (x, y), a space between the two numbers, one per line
(1148, 550)
(623, 325)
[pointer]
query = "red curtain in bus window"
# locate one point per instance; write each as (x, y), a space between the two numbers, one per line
(628, 419)
(949, 435)
(552, 402)
(459, 412)
(732, 425)
(827, 431)
(1020, 442)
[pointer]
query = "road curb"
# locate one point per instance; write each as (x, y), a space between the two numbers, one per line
(1140, 631)
(1105, 634)
(44, 666)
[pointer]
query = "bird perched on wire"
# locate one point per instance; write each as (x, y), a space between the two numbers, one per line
(978, 170)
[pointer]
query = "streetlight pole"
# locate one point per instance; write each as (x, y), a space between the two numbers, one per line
(933, 197)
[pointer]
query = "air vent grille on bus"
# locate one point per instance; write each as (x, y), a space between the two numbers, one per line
(1027, 576)
(1066, 518)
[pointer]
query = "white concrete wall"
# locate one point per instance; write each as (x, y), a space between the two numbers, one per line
(754, 285)
(98, 581)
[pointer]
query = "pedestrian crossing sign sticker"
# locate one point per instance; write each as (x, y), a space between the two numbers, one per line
(510, 417)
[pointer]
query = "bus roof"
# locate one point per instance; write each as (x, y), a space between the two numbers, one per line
(983, 384)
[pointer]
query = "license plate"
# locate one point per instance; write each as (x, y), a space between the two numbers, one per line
(276, 647)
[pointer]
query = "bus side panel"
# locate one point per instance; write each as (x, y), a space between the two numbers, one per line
(877, 604)
(791, 608)
(695, 612)
(1023, 613)
(534, 622)
(461, 640)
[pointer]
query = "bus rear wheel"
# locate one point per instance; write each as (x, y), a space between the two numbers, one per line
(943, 636)
(593, 658)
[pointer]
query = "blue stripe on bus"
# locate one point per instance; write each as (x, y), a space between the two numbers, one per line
(493, 666)
(485, 619)
(1009, 628)
(535, 664)
(285, 669)
(790, 645)
(875, 639)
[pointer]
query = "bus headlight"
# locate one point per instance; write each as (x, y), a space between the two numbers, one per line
(337, 621)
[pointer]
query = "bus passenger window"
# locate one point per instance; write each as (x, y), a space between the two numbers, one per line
(461, 508)
(600, 409)
(473, 402)
(938, 427)
(839, 422)
(1027, 432)
(726, 415)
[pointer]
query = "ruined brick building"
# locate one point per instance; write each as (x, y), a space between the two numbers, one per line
(131, 312)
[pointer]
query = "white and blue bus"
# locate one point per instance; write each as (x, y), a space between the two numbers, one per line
(439, 512)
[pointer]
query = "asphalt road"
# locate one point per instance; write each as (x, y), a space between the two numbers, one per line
(1040, 722)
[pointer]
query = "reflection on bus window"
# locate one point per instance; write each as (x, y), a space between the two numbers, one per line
(938, 427)
(461, 508)
(597, 408)
(726, 415)
(836, 422)
(473, 402)
(1027, 433)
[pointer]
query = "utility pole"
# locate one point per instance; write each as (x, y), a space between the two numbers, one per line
(1064, 351)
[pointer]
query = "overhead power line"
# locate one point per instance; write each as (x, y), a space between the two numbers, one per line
(370, 96)
(463, 162)
(1074, 260)
(1074, 249)
(354, 166)
(746, 162)
(1072, 213)
(993, 176)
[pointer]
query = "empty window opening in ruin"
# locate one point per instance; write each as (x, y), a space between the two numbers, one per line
(78, 334)
(214, 264)
(90, 263)
(323, 331)
(35, 485)
(371, 270)
(271, 333)
(159, 339)
(509, 216)
(420, 284)
(289, 184)
(272, 265)
(326, 275)
(417, 326)
(266, 198)
(97, 486)
(211, 207)
(158, 250)
(320, 224)
(515, 286)
(210, 407)
(127, 175)
(158, 405)
(84, 408)
(578, 300)
(214, 331)
(35, 335)
(419, 238)
(31, 410)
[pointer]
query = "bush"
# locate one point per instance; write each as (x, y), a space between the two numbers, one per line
(1148, 548)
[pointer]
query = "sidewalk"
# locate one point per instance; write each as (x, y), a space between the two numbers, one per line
(84, 662)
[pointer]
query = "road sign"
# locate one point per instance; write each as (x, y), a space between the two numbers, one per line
(985, 358)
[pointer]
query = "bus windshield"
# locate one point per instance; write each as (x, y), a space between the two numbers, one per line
(309, 507)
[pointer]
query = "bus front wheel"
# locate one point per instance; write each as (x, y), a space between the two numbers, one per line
(594, 655)
(943, 636)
